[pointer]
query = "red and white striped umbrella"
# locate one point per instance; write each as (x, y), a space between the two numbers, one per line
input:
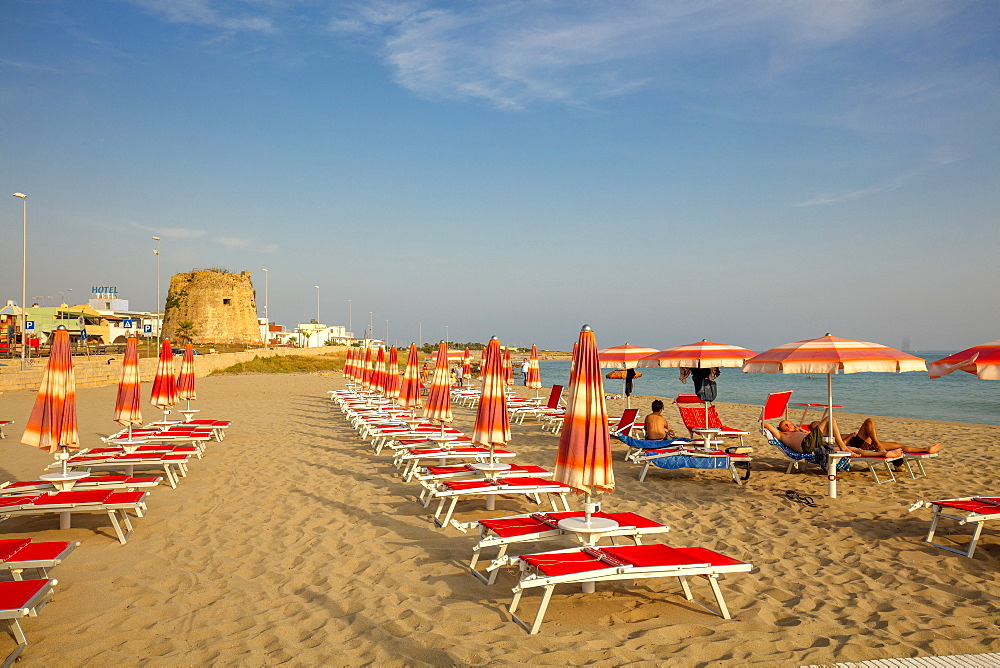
(584, 458)
(467, 365)
(492, 426)
(508, 367)
(982, 361)
(378, 378)
(624, 356)
(701, 355)
(127, 404)
(348, 361)
(164, 394)
(534, 380)
(52, 423)
(367, 370)
(185, 379)
(409, 392)
(452, 355)
(392, 374)
(438, 406)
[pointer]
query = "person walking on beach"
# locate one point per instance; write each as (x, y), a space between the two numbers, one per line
(524, 371)
(655, 425)
(864, 440)
(460, 375)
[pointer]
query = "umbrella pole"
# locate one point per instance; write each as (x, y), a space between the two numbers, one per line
(831, 474)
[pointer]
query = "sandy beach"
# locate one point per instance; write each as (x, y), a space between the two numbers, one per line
(291, 542)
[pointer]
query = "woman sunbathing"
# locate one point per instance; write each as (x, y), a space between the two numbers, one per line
(864, 441)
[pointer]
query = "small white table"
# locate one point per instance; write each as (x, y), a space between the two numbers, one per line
(490, 467)
(590, 532)
(188, 413)
(709, 438)
(64, 481)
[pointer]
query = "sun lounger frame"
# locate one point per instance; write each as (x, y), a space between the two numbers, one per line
(31, 608)
(979, 519)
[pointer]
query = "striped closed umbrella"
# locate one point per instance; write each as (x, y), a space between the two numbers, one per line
(367, 370)
(392, 374)
(185, 379)
(467, 365)
(378, 377)
(829, 354)
(164, 394)
(584, 458)
(492, 425)
(52, 424)
(982, 361)
(508, 367)
(409, 391)
(534, 379)
(127, 404)
(438, 406)
(348, 364)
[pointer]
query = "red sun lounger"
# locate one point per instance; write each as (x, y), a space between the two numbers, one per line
(410, 459)
(108, 482)
(20, 554)
(974, 509)
(64, 504)
(626, 562)
(429, 476)
(502, 532)
(452, 491)
(22, 599)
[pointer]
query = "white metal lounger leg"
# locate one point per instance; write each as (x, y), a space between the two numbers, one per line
(22, 642)
(170, 475)
(713, 580)
(920, 466)
(645, 469)
(122, 537)
(539, 616)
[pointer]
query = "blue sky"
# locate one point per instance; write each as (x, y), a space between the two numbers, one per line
(748, 172)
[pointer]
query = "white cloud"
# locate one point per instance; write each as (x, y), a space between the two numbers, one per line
(171, 232)
(205, 13)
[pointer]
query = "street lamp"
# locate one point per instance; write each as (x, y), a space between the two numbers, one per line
(350, 318)
(24, 273)
(159, 324)
(386, 332)
(371, 326)
(267, 318)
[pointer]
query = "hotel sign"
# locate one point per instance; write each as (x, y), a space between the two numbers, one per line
(104, 291)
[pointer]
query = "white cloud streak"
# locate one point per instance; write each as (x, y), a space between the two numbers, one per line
(206, 13)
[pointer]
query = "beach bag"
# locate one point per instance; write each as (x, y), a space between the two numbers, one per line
(707, 390)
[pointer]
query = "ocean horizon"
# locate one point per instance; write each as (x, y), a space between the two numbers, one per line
(957, 397)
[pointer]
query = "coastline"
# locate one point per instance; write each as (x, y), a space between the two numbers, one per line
(292, 542)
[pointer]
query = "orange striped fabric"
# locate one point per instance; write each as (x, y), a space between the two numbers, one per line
(52, 423)
(467, 365)
(624, 356)
(348, 364)
(534, 380)
(366, 370)
(983, 361)
(828, 354)
(508, 367)
(492, 421)
(392, 374)
(164, 382)
(409, 392)
(438, 406)
(584, 460)
(378, 378)
(185, 379)
(128, 400)
(701, 355)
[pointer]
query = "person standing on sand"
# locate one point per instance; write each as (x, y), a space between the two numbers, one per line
(460, 375)
(524, 371)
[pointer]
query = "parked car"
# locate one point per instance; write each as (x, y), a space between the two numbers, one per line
(180, 351)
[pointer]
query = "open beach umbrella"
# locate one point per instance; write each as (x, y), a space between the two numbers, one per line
(438, 406)
(492, 425)
(392, 374)
(584, 458)
(828, 355)
(982, 361)
(164, 394)
(409, 391)
(534, 380)
(451, 355)
(52, 424)
(185, 379)
(625, 356)
(701, 355)
(467, 365)
(128, 401)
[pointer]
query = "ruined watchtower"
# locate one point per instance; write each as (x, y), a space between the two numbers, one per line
(221, 305)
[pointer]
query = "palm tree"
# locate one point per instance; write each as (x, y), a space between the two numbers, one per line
(185, 331)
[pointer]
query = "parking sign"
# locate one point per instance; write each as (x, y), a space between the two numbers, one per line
(147, 329)
(29, 324)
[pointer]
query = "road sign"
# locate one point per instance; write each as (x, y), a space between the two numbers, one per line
(147, 329)
(29, 324)
(127, 323)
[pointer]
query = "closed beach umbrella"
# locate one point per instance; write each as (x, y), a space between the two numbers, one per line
(185, 379)
(392, 374)
(409, 391)
(52, 424)
(438, 406)
(625, 356)
(467, 365)
(378, 379)
(349, 365)
(584, 458)
(508, 367)
(982, 361)
(367, 370)
(828, 355)
(127, 403)
(492, 425)
(164, 394)
(534, 379)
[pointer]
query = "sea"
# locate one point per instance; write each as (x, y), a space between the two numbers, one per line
(957, 397)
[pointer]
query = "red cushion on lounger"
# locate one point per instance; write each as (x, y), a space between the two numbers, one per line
(525, 482)
(644, 556)
(703, 555)
(972, 506)
(17, 500)
(11, 545)
(41, 551)
(102, 480)
(515, 526)
(631, 520)
(447, 470)
(14, 595)
(564, 563)
(124, 497)
(83, 497)
(458, 485)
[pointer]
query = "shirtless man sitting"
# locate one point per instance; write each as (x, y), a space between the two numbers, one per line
(655, 425)
(864, 441)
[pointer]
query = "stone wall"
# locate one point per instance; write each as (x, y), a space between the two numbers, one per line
(98, 370)
(222, 306)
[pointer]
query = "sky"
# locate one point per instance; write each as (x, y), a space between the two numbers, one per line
(746, 172)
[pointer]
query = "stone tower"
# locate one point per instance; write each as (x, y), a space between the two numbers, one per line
(222, 306)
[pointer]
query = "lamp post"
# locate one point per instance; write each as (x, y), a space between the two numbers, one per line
(267, 318)
(350, 318)
(24, 272)
(371, 329)
(420, 335)
(447, 341)
(387, 332)
(159, 322)
(317, 312)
